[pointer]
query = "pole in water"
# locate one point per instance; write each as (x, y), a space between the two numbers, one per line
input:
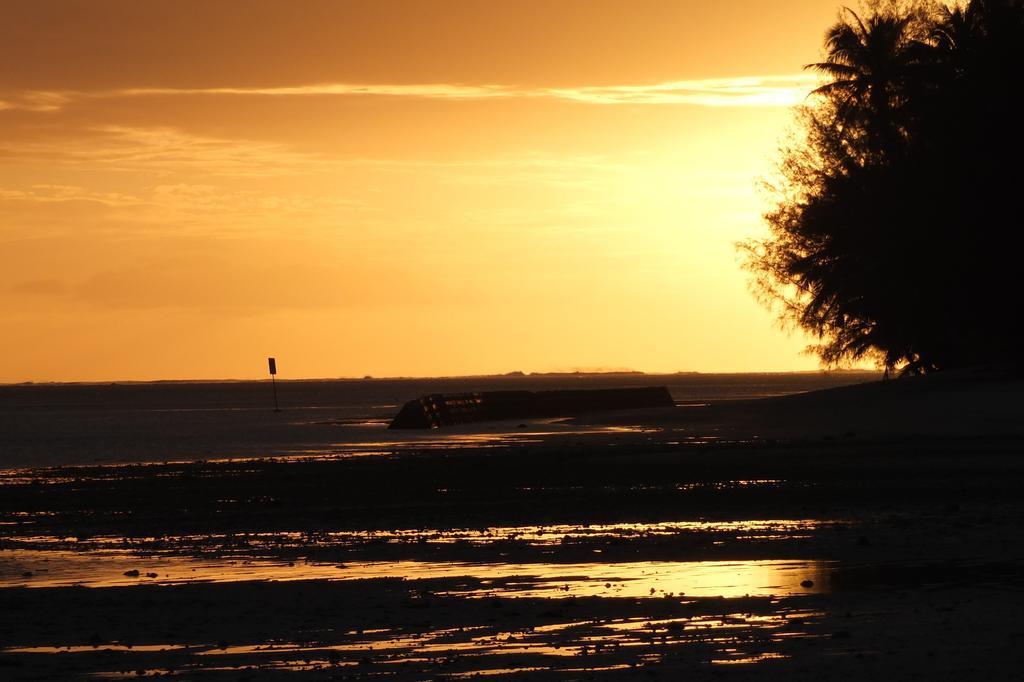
(273, 380)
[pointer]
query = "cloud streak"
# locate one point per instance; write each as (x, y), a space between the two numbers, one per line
(755, 91)
(751, 91)
(168, 151)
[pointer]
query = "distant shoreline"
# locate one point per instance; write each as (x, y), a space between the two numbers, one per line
(488, 377)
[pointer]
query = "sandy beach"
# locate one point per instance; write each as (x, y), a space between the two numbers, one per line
(862, 532)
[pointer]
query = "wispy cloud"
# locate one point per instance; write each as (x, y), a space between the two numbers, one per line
(39, 100)
(755, 91)
(49, 194)
(751, 91)
(167, 152)
(421, 91)
(197, 208)
(163, 150)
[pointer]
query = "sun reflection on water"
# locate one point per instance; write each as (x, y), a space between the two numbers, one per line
(109, 568)
(571, 647)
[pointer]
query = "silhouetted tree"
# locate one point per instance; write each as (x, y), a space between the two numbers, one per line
(867, 62)
(898, 215)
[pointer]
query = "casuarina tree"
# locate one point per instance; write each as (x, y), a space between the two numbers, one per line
(897, 216)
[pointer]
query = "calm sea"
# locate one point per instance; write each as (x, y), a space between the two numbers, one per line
(59, 424)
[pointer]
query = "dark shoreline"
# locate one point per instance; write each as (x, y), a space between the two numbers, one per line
(921, 536)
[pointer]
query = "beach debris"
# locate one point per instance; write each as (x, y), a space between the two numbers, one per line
(807, 583)
(133, 573)
(152, 575)
(447, 409)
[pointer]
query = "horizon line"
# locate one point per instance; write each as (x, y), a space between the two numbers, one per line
(503, 375)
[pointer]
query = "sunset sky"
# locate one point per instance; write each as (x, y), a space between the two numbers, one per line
(390, 188)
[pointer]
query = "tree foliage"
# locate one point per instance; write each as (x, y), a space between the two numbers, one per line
(895, 226)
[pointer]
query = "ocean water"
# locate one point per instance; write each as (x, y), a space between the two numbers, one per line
(75, 424)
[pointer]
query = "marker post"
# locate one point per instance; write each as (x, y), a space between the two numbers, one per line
(273, 380)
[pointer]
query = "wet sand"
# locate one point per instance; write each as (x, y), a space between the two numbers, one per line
(679, 548)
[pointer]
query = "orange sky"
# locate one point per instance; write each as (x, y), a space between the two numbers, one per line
(390, 188)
